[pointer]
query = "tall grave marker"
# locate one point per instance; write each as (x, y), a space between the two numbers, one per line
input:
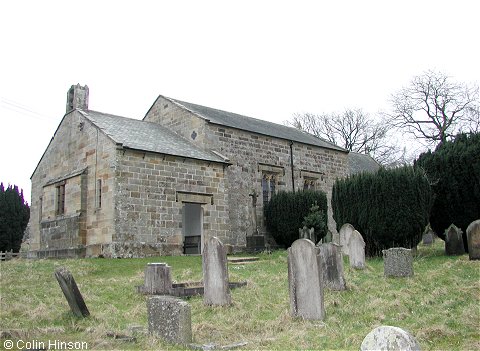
(305, 282)
(215, 274)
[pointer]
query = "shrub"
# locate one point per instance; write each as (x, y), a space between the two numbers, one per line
(389, 208)
(454, 171)
(285, 213)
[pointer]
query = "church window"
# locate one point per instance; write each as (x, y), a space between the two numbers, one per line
(98, 194)
(60, 199)
(269, 185)
(309, 184)
(265, 189)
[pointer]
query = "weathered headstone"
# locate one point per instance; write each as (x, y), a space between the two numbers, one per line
(397, 262)
(328, 238)
(169, 318)
(215, 273)
(71, 292)
(158, 279)
(473, 239)
(304, 280)
(389, 338)
(331, 266)
(356, 248)
(428, 238)
(454, 241)
(345, 232)
(307, 233)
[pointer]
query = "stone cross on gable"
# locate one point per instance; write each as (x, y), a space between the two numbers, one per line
(254, 196)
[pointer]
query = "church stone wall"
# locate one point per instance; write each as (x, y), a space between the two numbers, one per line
(150, 192)
(77, 157)
(253, 156)
(179, 120)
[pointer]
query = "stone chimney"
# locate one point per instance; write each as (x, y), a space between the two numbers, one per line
(77, 98)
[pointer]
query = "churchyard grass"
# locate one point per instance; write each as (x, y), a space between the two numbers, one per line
(439, 305)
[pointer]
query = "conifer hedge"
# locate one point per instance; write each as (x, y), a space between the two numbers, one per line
(389, 208)
(454, 171)
(286, 212)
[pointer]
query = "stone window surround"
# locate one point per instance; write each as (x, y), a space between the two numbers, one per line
(194, 197)
(311, 179)
(269, 180)
(60, 182)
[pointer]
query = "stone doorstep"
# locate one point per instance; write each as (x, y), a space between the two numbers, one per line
(242, 260)
(190, 288)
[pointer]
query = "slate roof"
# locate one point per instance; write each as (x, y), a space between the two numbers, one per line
(147, 136)
(358, 163)
(234, 120)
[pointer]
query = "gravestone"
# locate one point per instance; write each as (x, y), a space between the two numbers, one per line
(389, 338)
(307, 233)
(428, 238)
(473, 239)
(397, 262)
(356, 247)
(304, 280)
(158, 279)
(331, 266)
(215, 274)
(71, 292)
(170, 319)
(454, 241)
(345, 232)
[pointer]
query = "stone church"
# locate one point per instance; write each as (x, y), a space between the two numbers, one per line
(112, 186)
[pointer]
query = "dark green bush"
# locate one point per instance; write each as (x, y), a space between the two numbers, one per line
(389, 208)
(454, 172)
(286, 212)
(14, 216)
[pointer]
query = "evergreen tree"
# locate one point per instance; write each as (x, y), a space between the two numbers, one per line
(14, 216)
(285, 214)
(454, 172)
(389, 208)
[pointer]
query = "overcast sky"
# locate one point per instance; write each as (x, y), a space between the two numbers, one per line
(264, 59)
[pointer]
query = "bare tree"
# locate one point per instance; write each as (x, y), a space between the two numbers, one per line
(353, 130)
(435, 108)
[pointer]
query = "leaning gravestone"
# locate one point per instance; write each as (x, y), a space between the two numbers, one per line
(397, 262)
(170, 319)
(345, 232)
(215, 274)
(389, 338)
(454, 241)
(71, 292)
(331, 266)
(473, 239)
(304, 280)
(357, 250)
